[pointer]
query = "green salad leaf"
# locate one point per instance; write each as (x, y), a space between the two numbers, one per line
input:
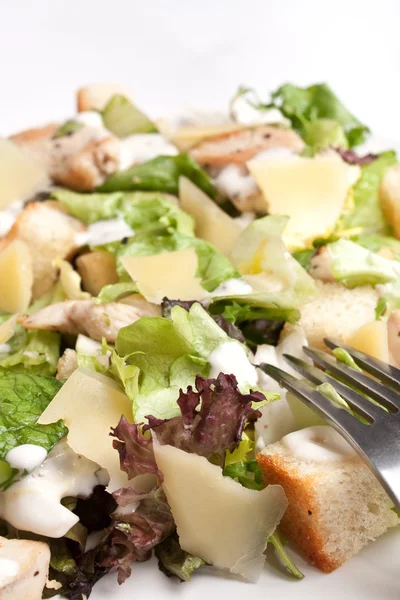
(23, 398)
(89, 208)
(160, 174)
(68, 128)
(303, 106)
(324, 132)
(276, 540)
(354, 265)
(366, 212)
(123, 118)
(113, 291)
(173, 561)
(33, 351)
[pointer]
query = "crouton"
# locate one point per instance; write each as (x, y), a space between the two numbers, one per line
(31, 560)
(335, 506)
(337, 312)
(240, 146)
(97, 269)
(67, 364)
(49, 233)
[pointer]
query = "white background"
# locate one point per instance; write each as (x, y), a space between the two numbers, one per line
(177, 53)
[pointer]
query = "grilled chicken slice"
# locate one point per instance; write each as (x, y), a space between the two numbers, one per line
(84, 316)
(240, 146)
(24, 568)
(81, 161)
(49, 233)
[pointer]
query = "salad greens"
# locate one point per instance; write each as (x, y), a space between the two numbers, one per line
(23, 398)
(173, 561)
(160, 174)
(123, 118)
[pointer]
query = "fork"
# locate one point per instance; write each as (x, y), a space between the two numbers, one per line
(376, 438)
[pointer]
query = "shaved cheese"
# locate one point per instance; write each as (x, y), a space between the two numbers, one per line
(311, 191)
(16, 277)
(212, 224)
(372, 339)
(20, 175)
(217, 519)
(171, 274)
(7, 329)
(187, 137)
(70, 281)
(90, 404)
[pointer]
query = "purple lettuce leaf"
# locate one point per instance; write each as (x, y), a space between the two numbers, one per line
(352, 158)
(135, 449)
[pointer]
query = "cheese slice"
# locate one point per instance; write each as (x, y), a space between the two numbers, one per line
(70, 280)
(16, 277)
(20, 175)
(311, 191)
(171, 274)
(90, 404)
(372, 339)
(217, 519)
(188, 137)
(212, 224)
(7, 329)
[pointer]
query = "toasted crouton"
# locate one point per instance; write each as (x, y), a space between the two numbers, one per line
(97, 269)
(337, 312)
(67, 364)
(49, 234)
(27, 580)
(335, 507)
(240, 146)
(96, 95)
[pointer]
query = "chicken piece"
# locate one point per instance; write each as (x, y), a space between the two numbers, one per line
(321, 265)
(67, 364)
(239, 147)
(49, 233)
(81, 161)
(24, 569)
(84, 316)
(97, 269)
(236, 183)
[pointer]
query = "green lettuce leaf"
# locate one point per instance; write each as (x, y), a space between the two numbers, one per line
(213, 267)
(324, 132)
(354, 265)
(33, 351)
(343, 356)
(276, 540)
(123, 118)
(303, 106)
(89, 208)
(280, 284)
(365, 213)
(173, 561)
(160, 174)
(68, 128)
(113, 291)
(376, 242)
(23, 398)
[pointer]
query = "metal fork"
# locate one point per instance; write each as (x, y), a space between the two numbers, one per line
(376, 437)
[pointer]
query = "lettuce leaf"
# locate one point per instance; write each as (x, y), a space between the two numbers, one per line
(280, 284)
(354, 265)
(123, 118)
(303, 106)
(142, 211)
(113, 291)
(365, 212)
(23, 398)
(175, 562)
(34, 351)
(213, 267)
(324, 132)
(160, 174)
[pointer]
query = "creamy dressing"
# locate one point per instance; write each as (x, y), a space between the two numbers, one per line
(232, 287)
(5, 348)
(26, 457)
(104, 232)
(34, 503)
(8, 569)
(244, 112)
(320, 443)
(234, 181)
(230, 358)
(90, 118)
(141, 147)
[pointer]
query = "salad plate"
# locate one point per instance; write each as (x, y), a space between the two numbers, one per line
(149, 270)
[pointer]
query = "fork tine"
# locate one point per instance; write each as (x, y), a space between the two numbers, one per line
(386, 373)
(376, 390)
(359, 403)
(337, 416)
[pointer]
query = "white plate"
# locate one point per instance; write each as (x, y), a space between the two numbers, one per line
(372, 574)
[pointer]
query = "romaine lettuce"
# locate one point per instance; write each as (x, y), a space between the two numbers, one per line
(36, 352)
(123, 118)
